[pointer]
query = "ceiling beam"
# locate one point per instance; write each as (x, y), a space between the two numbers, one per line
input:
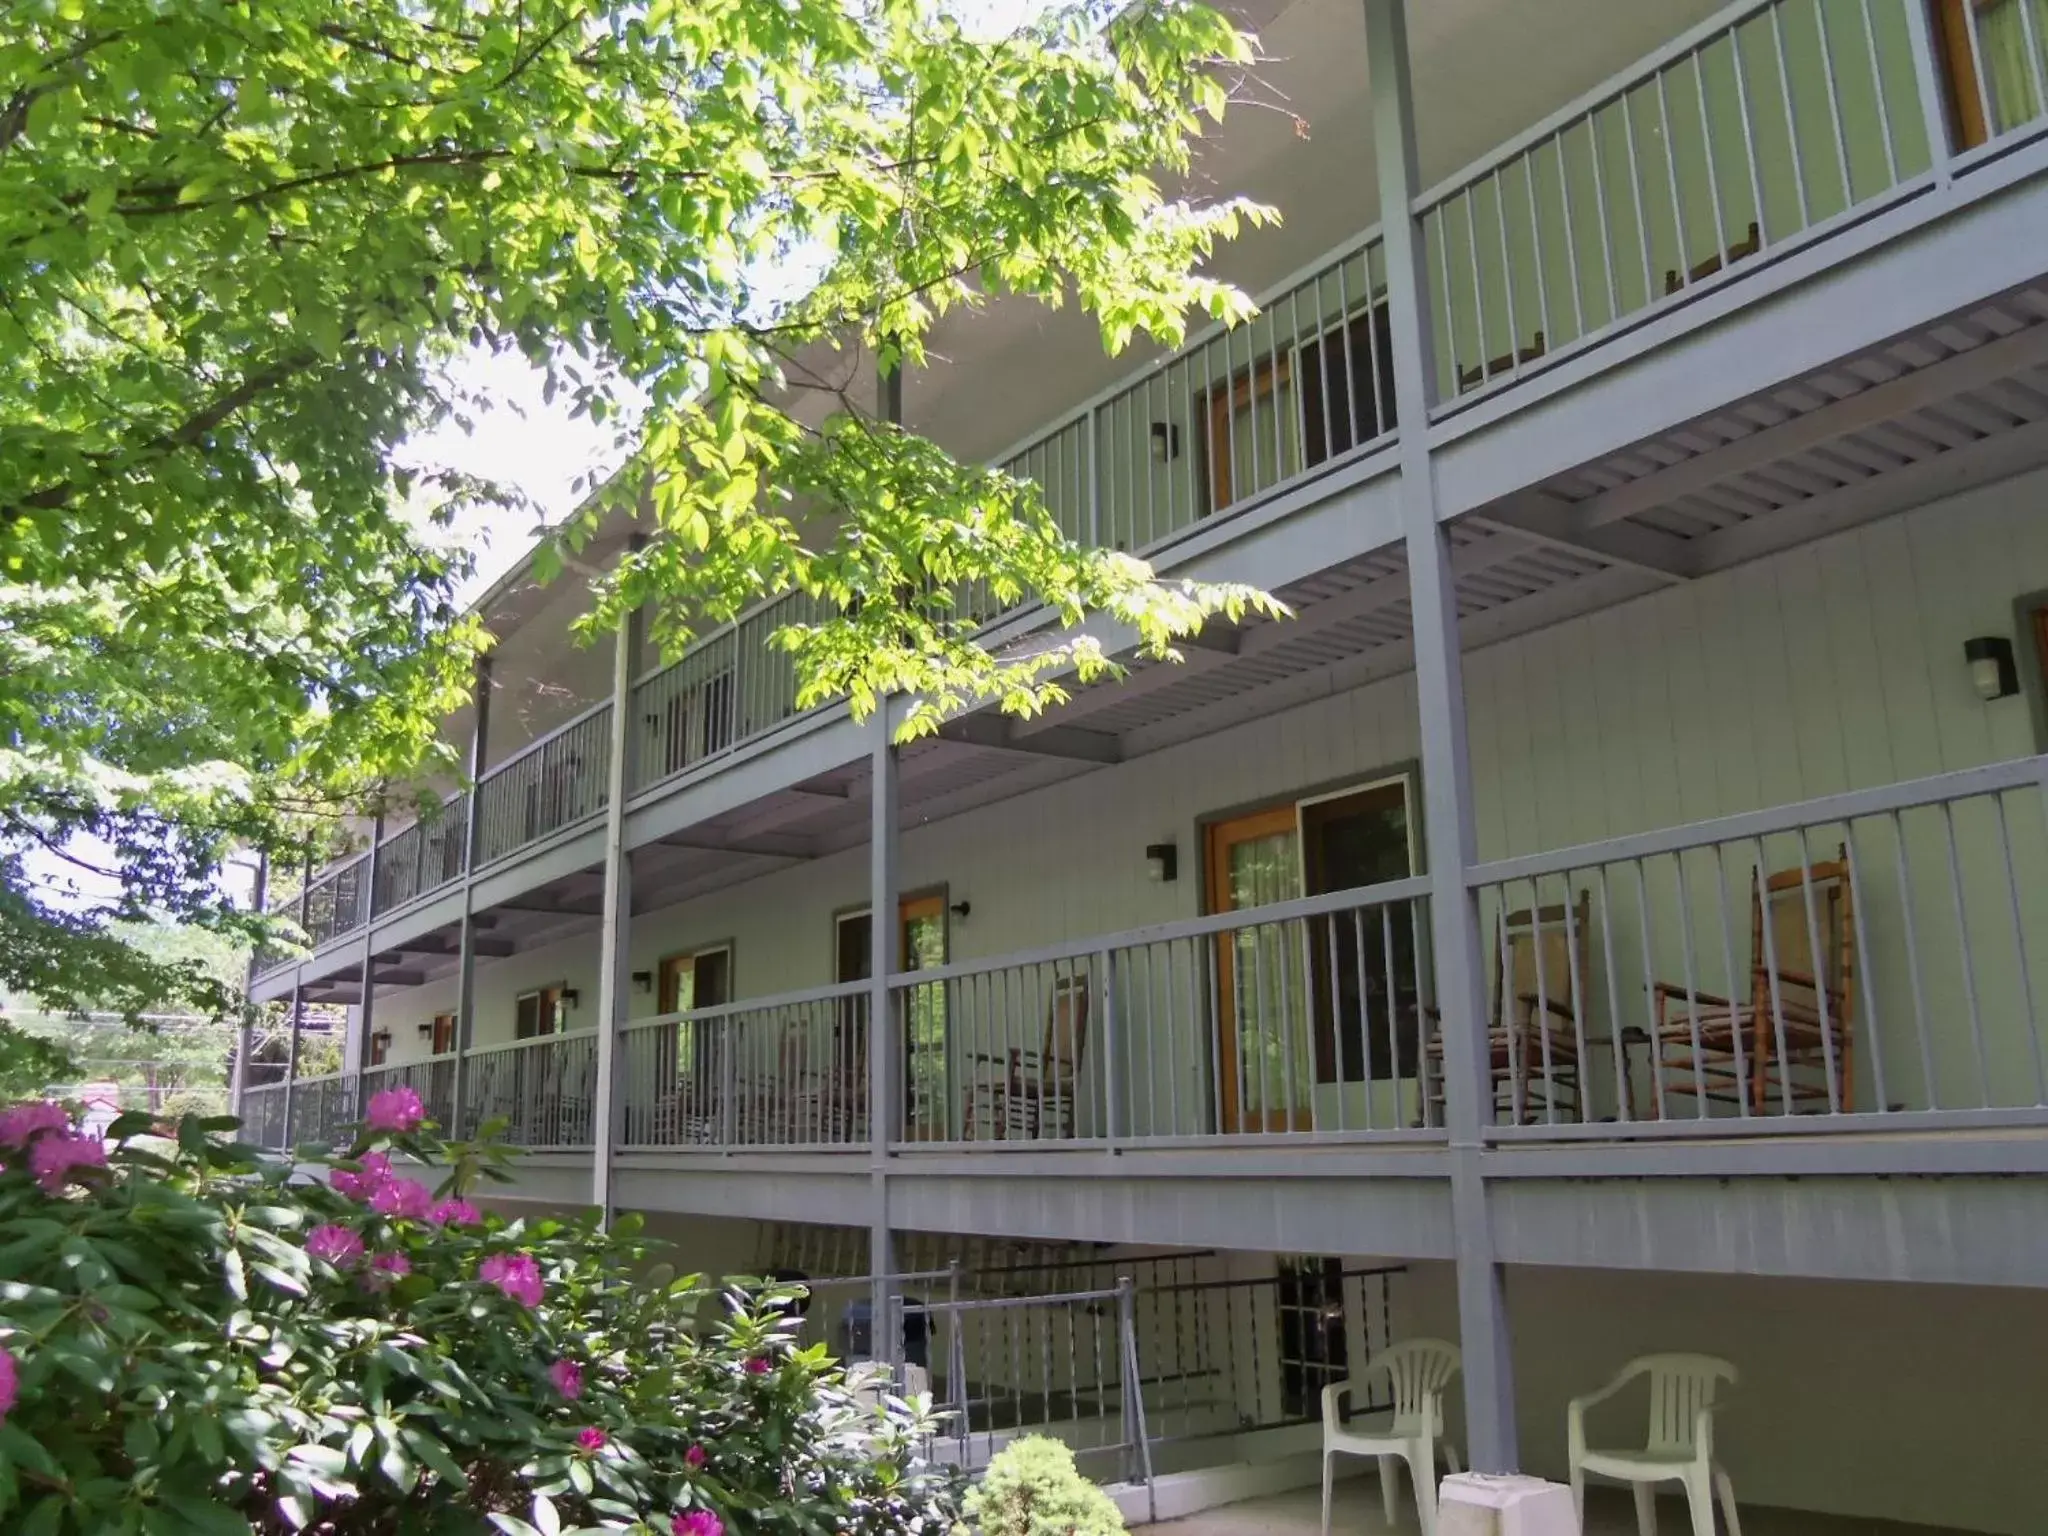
(1979, 366)
(560, 906)
(491, 948)
(1202, 653)
(773, 845)
(1551, 522)
(997, 733)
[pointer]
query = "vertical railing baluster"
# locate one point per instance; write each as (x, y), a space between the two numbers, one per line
(1955, 878)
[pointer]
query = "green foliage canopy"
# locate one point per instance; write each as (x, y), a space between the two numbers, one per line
(238, 244)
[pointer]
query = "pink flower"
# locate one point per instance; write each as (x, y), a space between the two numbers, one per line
(567, 1376)
(396, 1110)
(385, 1268)
(21, 1123)
(10, 1384)
(693, 1458)
(402, 1197)
(590, 1438)
(337, 1245)
(362, 1186)
(697, 1522)
(51, 1158)
(458, 1213)
(515, 1274)
(757, 1365)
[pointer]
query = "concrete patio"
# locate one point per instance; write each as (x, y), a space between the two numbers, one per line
(1608, 1513)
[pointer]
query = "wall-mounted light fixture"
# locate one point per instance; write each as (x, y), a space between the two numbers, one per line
(1163, 862)
(643, 981)
(961, 909)
(1993, 672)
(571, 997)
(426, 1029)
(1165, 441)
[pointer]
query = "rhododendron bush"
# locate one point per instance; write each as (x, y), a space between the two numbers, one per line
(196, 1340)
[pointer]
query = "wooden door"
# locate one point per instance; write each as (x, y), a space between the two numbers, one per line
(920, 945)
(1263, 1049)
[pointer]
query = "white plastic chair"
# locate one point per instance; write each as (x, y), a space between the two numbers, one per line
(1680, 1448)
(1417, 1373)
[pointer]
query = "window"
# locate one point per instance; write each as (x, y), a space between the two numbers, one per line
(688, 1053)
(1991, 55)
(1248, 431)
(702, 979)
(444, 1033)
(1314, 1351)
(694, 723)
(2033, 648)
(1347, 386)
(540, 1012)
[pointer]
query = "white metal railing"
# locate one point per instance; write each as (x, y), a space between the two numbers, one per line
(1877, 958)
(787, 1071)
(544, 1089)
(1997, 70)
(1769, 120)
(1305, 1018)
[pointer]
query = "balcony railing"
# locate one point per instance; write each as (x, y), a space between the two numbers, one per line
(262, 1112)
(323, 1108)
(337, 902)
(545, 1089)
(422, 857)
(1873, 959)
(553, 784)
(1766, 123)
(433, 1080)
(788, 1072)
(1310, 1017)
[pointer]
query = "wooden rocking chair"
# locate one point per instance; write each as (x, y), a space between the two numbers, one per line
(1790, 1042)
(1030, 1095)
(1532, 1039)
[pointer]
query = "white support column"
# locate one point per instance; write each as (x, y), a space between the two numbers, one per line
(465, 985)
(614, 980)
(885, 1075)
(1446, 767)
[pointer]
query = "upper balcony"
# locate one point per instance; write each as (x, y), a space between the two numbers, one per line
(1755, 151)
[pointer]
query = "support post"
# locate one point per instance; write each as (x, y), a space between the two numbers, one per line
(245, 1032)
(885, 1075)
(615, 943)
(1446, 767)
(472, 834)
(357, 1056)
(291, 1057)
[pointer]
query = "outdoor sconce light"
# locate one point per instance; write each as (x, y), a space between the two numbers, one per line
(1165, 441)
(1992, 670)
(571, 997)
(1164, 861)
(960, 909)
(425, 1029)
(643, 981)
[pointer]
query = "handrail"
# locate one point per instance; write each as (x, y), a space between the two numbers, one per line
(749, 1005)
(1384, 894)
(1599, 95)
(530, 1043)
(1994, 778)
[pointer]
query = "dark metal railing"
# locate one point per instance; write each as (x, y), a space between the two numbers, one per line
(422, 857)
(553, 784)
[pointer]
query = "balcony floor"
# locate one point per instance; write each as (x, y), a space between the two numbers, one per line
(1608, 1513)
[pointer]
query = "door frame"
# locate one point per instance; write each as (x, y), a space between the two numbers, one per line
(1279, 813)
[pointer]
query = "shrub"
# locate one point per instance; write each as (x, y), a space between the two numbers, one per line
(196, 1341)
(1033, 1488)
